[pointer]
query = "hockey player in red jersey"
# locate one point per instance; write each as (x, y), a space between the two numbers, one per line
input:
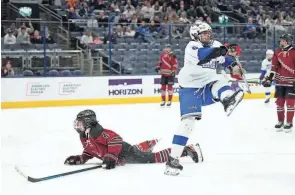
(283, 72)
(108, 146)
(167, 67)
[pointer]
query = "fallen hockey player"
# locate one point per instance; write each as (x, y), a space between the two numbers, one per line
(108, 146)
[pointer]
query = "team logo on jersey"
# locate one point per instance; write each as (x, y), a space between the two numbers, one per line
(104, 135)
(192, 107)
(194, 47)
(212, 64)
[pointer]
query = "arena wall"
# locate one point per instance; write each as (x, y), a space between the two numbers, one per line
(73, 91)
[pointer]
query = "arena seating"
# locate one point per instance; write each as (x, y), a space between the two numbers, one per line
(135, 56)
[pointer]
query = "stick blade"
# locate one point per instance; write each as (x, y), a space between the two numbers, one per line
(20, 172)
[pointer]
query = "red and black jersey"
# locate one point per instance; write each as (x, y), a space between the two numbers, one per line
(99, 142)
(283, 64)
(167, 64)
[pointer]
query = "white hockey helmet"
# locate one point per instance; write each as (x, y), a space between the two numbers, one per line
(194, 32)
(198, 22)
(269, 54)
(205, 33)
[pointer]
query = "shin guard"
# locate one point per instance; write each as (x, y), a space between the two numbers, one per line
(281, 109)
(170, 92)
(163, 92)
(290, 109)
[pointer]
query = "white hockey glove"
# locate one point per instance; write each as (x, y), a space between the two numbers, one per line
(220, 59)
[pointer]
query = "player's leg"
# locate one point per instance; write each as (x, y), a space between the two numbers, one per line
(137, 156)
(170, 89)
(280, 95)
(163, 90)
(190, 107)
(147, 146)
(192, 151)
(290, 102)
(267, 94)
(229, 98)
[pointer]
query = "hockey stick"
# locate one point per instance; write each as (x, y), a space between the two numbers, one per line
(243, 75)
(34, 180)
(240, 81)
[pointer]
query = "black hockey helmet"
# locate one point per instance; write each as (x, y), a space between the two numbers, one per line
(288, 38)
(84, 120)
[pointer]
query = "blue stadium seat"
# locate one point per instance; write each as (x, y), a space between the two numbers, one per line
(77, 73)
(28, 73)
(53, 73)
(65, 73)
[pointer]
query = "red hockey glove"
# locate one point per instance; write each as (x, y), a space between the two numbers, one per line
(75, 160)
(110, 161)
(233, 50)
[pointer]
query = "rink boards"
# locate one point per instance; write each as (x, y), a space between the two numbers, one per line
(72, 91)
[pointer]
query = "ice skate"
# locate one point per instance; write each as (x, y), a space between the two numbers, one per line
(288, 128)
(173, 167)
(267, 101)
(168, 103)
(195, 152)
(279, 127)
(230, 103)
(162, 103)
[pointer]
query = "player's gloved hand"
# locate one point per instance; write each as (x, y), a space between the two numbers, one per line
(110, 161)
(266, 82)
(233, 49)
(157, 69)
(223, 50)
(220, 59)
(74, 160)
(173, 74)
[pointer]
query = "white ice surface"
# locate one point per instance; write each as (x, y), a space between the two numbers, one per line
(243, 154)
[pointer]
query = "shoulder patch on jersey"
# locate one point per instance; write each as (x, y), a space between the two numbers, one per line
(194, 47)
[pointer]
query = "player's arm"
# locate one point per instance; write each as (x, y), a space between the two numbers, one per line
(274, 68)
(80, 159)
(275, 65)
(235, 70)
(174, 65)
(206, 54)
(114, 147)
(158, 66)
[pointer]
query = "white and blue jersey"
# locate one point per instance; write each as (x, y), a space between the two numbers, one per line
(265, 68)
(200, 85)
(193, 75)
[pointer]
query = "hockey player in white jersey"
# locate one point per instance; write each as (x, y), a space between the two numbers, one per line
(200, 86)
(265, 71)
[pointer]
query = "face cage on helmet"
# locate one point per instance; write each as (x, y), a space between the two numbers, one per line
(211, 37)
(78, 126)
